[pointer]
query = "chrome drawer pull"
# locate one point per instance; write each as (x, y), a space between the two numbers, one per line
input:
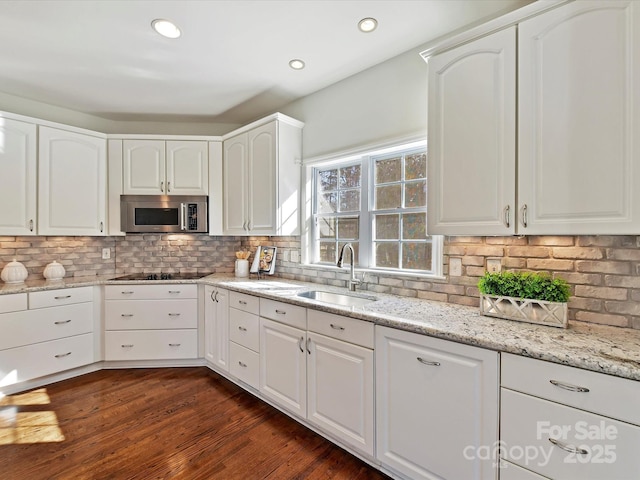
(61, 322)
(174, 314)
(300, 344)
(568, 386)
(242, 329)
(127, 346)
(336, 327)
(174, 291)
(427, 362)
(175, 344)
(281, 312)
(63, 355)
(126, 314)
(62, 297)
(242, 302)
(309, 346)
(569, 448)
(243, 365)
(128, 292)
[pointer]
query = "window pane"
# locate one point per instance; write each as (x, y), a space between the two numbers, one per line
(414, 226)
(387, 226)
(387, 255)
(328, 179)
(350, 201)
(389, 170)
(415, 194)
(328, 252)
(388, 197)
(416, 256)
(347, 253)
(350, 176)
(327, 227)
(415, 166)
(348, 228)
(328, 203)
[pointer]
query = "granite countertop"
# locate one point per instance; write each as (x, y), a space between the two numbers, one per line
(604, 349)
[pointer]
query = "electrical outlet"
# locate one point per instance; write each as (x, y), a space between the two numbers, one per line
(106, 253)
(455, 267)
(494, 265)
(295, 258)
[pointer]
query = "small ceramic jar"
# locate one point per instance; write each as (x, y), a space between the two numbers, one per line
(14, 272)
(54, 271)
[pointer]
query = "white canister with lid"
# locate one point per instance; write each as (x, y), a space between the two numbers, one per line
(14, 272)
(54, 271)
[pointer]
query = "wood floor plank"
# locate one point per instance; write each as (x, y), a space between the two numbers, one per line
(169, 423)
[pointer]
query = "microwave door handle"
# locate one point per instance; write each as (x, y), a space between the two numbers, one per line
(183, 216)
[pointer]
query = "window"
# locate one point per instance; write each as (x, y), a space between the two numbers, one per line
(378, 203)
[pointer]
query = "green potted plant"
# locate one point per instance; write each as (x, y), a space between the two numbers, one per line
(525, 296)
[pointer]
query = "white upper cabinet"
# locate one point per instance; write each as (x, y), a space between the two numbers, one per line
(158, 167)
(578, 113)
(17, 177)
(472, 95)
(261, 178)
(579, 109)
(72, 169)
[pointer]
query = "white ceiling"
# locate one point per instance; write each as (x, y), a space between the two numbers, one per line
(231, 64)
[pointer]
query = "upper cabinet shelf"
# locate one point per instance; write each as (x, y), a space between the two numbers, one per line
(570, 165)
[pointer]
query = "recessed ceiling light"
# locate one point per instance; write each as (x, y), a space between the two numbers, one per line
(296, 64)
(367, 25)
(166, 28)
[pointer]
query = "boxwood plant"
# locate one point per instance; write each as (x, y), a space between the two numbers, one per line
(538, 286)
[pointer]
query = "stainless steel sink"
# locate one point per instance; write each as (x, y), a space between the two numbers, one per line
(343, 299)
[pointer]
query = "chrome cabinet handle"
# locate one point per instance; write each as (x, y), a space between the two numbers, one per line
(175, 344)
(249, 226)
(31, 225)
(244, 226)
(568, 386)
(212, 295)
(101, 227)
(128, 292)
(62, 297)
(569, 448)
(126, 314)
(336, 327)
(507, 216)
(61, 355)
(300, 344)
(162, 187)
(525, 221)
(309, 346)
(427, 362)
(168, 187)
(242, 302)
(243, 365)
(61, 322)
(241, 328)
(174, 291)
(174, 314)
(127, 346)
(281, 312)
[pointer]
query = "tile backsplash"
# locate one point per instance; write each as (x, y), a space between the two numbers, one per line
(603, 271)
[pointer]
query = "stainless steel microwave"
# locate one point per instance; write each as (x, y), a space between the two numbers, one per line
(163, 213)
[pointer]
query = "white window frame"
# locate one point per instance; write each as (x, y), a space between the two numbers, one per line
(309, 246)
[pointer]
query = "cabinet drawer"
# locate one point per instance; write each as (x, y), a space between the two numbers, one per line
(607, 395)
(244, 329)
(529, 424)
(244, 364)
(33, 361)
(511, 471)
(150, 344)
(284, 313)
(348, 329)
(13, 303)
(149, 315)
(247, 303)
(164, 291)
(34, 326)
(63, 296)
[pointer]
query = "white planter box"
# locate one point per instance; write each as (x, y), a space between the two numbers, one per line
(527, 310)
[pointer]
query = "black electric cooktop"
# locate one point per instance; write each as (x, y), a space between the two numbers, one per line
(162, 276)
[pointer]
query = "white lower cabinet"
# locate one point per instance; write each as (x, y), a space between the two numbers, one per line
(511, 471)
(216, 327)
(244, 336)
(437, 407)
(151, 322)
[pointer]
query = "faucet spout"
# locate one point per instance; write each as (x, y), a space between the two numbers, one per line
(353, 281)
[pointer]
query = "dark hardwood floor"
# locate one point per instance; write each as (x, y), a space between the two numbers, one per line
(182, 423)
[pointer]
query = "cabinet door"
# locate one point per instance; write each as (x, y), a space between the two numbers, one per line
(144, 167)
(579, 92)
(72, 169)
(216, 327)
(17, 178)
(437, 406)
(235, 185)
(283, 366)
(471, 132)
(187, 168)
(262, 194)
(340, 391)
